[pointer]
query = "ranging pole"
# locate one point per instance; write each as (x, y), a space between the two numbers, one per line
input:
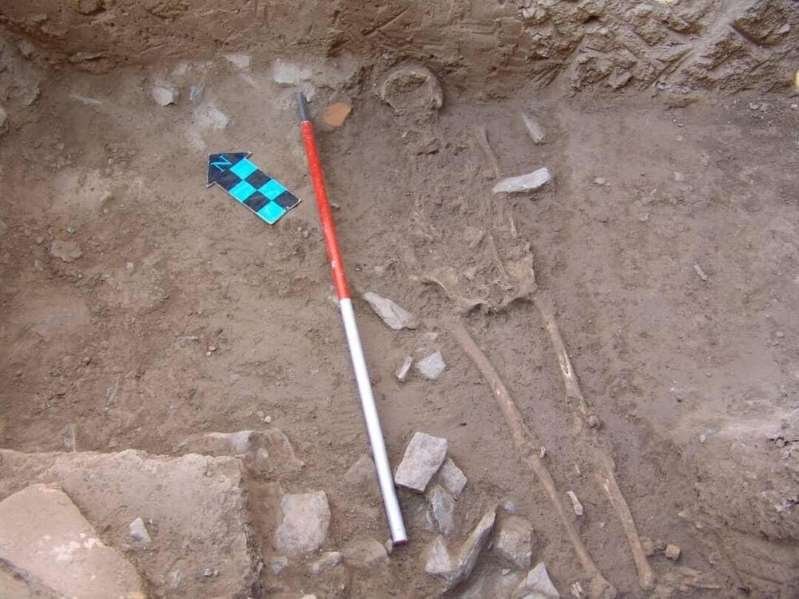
(384, 476)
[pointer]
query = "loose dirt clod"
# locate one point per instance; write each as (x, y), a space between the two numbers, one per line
(66, 251)
(411, 89)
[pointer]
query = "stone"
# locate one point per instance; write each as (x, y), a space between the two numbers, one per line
(240, 61)
(442, 509)
(3, 121)
(198, 502)
(66, 251)
(138, 532)
(335, 114)
(402, 370)
(452, 478)
(432, 366)
(411, 88)
(304, 523)
(514, 542)
(522, 183)
(363, 476)
(208, 116)
(327, 561)
(395, 316)
(269, 451)
(672, 552)
(44, 537)
(537, 584)
(493, 584)
(648, 545)
(288, 73)
(365, 553)
(278, 564)
(4, 230)
(165, 94)
(453, 570)
(534, 128)
(422, 459)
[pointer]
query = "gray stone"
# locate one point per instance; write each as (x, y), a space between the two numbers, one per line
(165, 94)
(537, 584)
(534, 128)
(522, 183)
(240, 61)
(3, 229)
(269, 452)
(493, 585)
(198, 502)
(139, 533)
(453, 570)
(442, 509)
(329, 560)
(422, 459)
(432, 366)
(66, 251)
(303, 528)
(365, 553)
(514, 542)
(452, 478)
(3, 121)
(44, 537)
(208, 116)
(395, 316)
(363, 476)
(402, 371)
(288, 73)
(278, 564)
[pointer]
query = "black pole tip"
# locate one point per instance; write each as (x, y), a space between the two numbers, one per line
(303, 105)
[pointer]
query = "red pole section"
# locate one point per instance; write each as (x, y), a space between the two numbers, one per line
(325, 213)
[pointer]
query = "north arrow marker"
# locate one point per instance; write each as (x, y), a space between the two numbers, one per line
(249, 185)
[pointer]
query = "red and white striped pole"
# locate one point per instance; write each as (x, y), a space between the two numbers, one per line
(384, 476)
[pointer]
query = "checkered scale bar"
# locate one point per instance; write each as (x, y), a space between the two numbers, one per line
(250, 186)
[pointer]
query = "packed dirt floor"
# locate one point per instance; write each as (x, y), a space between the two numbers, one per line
(140, 308)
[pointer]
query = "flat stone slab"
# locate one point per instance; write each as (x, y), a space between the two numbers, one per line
(514, 542)
(422, 459)
(304, 523)
(196, 504)
(44, 538)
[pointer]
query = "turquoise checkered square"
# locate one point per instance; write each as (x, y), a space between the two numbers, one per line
(242, 191)
(243, 168)
(272, 212)
(272, 189)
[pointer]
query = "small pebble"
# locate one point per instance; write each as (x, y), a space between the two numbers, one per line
(600, 181)
(673, 552)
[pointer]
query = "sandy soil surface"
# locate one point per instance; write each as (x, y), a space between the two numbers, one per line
(667, 242)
